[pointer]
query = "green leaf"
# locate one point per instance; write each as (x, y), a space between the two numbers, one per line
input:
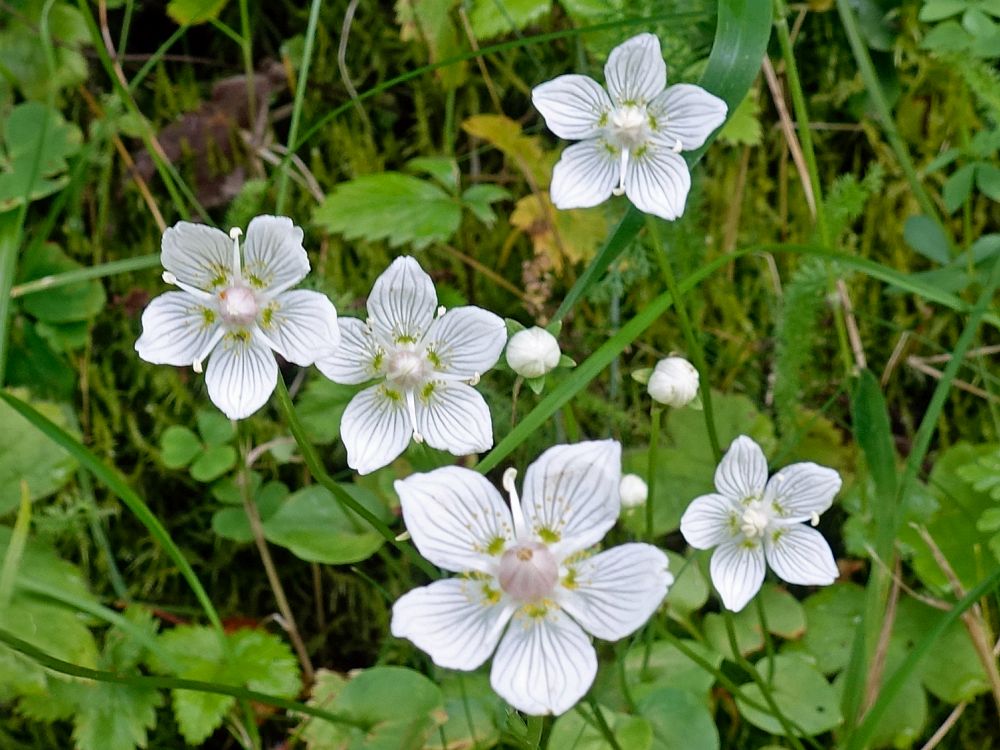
(958, 187)
(684, 465)
(680, 720)
(178, 447)
(68, 303)
(491, 18)
(390, 206)
(479, 199)
(431, 22)
(937, 10)
(314, 526)
(215, 461)
(444, 169)
(833, 616)
(232, 523)
(689, 591)
(33, 132)
(801, 692)
(114, 717)
(749, 637)
(983, 474)
(322, 405)
(26, 455)
(988, 180)
(667, 666)
(927, 237)
(784, 614)
(743, 126)
(571, 730)
(215, 428)
(191, 12)
(23, 57)
(947, 37)
(400, 707)
(474, 711)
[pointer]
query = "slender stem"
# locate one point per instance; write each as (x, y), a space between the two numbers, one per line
(300, 95)
(321, 475)
(536, 726)
(768, 643)
(602, 724)
(289, 623)
(654, 437)
(10, 241)
(694, 345)
(86, 273)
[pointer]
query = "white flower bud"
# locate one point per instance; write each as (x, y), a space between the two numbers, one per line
(532, 352)
(633, 490)
(674, 382)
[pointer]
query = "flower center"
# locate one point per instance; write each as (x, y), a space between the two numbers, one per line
(755, 519)
(628, 126)
(238, 305)
(528, 572)
(407, 369)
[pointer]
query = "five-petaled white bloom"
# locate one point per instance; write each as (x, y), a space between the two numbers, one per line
(426, 361)
(528, 583)
(237, 310)
(752, 518)
(631, 140)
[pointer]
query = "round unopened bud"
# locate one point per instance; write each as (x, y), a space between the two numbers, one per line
(532, 352)
(674, 382)
(633, 491)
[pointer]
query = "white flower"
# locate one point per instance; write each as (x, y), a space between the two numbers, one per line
(751, 518)
(236, 310)
(674, 382)
(527, 583)
(425, 361)
(631, 141)
(633, 491)
(532, 352)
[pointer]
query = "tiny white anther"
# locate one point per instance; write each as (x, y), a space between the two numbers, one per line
(440, 311)
(814, 518)
(404, 537)
(679, 146)
(417, 437)
(169, 277)
(197, 365)
(509, 477)
(618, 191)
(235, 232)
(474, 380)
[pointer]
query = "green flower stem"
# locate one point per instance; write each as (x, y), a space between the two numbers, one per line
(87, 273)
(10, 240)
(694, 345)
(156, 682)
(320, 474)
(765, 689)
(536, 727)
(602, 724)
(654, 437)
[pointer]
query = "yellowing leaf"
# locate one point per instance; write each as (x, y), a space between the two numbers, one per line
(430, 21)
(192, 12)
(564, 236)
(526, 151)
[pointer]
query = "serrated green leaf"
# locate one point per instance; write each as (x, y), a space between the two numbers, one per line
(178, 447)
(743, 126)
(215, 461)
(444, 169)
(114, 717)
(479, 200)
(390, 206)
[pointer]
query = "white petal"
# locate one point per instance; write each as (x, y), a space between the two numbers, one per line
(635, 72)
(688, 114)
(657, 181)
(274, 258)
(241, 374)
(571, 496)
(573, 106)
(375, 428)
(800, 555)
(300, 325)
(466, 341)
(614, 592)
(198, 255)
(357, 359)
(453, 417)
(709, 520)
(742, 472)
(176, 329)
(457, 518)
(585, 175)
(457, 621)
(403, 301)
(737, 570)
(800, 490)
(544, 664)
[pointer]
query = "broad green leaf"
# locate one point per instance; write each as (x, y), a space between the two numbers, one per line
(430, 22)
(988, 180)
(784, 614)
(743, 126)
(114, 717)
(178, 447)
(492, 18)
(749, 637)
(401, 708)
(689, 591)
(214, 461)
(444, 169)
(479, 199)
(571, 730)
(937, 10)
(680, 720)
(927, 237)
(191, 12)
(27, 455)
(322, 405)
(215, 428)
(833, 616)
(684, 465)
(474, 711)
(23, 57)
(34, 131)
(68, 303)
(666, 666)
(958, 188)
(948, 36)
(390, 206)
(232, 523)
(801, 692)
(312, 524)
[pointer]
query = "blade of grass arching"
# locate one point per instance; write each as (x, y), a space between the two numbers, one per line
(126, 265)
(884, 113)
(302, 81)
(861, 738)
(873, 433)
(115, 482)
(10, 241)
(170, 683)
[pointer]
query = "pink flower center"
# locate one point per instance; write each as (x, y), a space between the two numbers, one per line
(528, 572)
(238, 305)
